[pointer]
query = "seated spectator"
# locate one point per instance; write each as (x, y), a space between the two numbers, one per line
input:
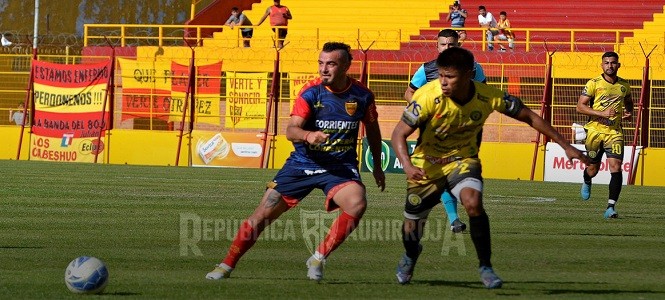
(487, 20)
(457, 16)
(504, 33)
(238, 18)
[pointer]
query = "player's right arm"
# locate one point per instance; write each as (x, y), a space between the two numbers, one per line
(412, 116)
(526, 115)
(419, 79)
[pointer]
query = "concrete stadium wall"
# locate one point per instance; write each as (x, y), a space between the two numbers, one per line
(158, 148)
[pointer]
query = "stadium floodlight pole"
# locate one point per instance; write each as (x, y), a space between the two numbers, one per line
(29, 97)
(545, 104)
(188, 92)
(644, 101)
(109, 88)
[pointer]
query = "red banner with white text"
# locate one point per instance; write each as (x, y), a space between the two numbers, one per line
(68, 111)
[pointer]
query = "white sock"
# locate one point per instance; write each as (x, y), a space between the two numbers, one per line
(225, 267)
(318, 256)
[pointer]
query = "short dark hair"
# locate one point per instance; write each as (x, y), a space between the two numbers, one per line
(610, 54)
(235, 8)
(332, 46)
(449, 33)
(456, 58)
(503, 13)
(481, 7)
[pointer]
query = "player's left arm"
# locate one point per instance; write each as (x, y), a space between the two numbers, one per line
(374, 140)
(526, 115)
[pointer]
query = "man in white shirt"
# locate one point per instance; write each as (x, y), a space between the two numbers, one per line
(487, 20)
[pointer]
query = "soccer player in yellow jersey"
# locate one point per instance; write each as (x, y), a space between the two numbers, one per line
(606, 100)
(450, 113)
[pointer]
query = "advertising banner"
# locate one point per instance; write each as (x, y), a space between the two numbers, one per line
(389, 162)
(226, 149)
(559, 169)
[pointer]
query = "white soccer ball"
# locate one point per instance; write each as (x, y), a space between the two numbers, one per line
(86, 275)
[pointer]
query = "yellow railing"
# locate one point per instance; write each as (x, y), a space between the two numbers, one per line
(527, 39)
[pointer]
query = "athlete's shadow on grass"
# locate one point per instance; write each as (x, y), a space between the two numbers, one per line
(464, 284)
(120, 294)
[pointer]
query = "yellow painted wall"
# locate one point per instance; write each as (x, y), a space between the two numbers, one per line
(500, 160)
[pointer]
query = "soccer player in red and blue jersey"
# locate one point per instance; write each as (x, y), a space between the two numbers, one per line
(324, 128)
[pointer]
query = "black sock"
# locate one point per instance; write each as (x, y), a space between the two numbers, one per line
(480, 235)
(411, 241)
(616, 182)
(587, 178)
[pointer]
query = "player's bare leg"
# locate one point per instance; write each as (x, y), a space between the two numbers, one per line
(271, 207)
(352, 203)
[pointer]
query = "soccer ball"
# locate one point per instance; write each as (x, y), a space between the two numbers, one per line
(86, 275)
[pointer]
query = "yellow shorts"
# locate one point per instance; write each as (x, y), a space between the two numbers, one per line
(598, 143)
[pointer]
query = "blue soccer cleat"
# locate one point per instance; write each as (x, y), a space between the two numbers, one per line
(585, 192)
(457, 226)
(610, 213)
(405, 267)
(489, 278)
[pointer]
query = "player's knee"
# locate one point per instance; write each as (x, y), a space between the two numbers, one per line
(356, 207)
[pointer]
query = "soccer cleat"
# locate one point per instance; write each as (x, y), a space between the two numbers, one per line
(315, 268)
(610, 213)
(405, 267)
(457, 226)
(489, 278)
(585, 192)
(218, 273)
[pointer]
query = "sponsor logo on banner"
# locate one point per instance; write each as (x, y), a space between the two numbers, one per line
(559, 169)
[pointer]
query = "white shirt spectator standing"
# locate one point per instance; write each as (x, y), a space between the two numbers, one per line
(487, 20)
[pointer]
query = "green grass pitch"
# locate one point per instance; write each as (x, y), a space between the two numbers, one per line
(161, 229)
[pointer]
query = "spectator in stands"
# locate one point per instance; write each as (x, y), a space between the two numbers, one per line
(279, 16)
(17, 116)
(487, 20)
(238, 18)
(457, 16)
(504, 33)
(427, 72)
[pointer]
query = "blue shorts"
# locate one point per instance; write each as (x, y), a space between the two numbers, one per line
(295, 183)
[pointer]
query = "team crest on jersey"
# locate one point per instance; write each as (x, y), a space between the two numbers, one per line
(437, 100)
(592, 154)
(318, 105)
(476, 115)
(351, 107)
(414, 199)
(623, 89)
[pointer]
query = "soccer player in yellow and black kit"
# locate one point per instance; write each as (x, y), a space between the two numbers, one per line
(606, 100)
(450, 113)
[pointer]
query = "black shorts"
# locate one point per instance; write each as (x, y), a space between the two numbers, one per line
(281, 32)
(247, 34)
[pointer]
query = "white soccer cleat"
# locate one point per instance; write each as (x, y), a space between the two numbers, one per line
(220, 272)
(315, 268)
